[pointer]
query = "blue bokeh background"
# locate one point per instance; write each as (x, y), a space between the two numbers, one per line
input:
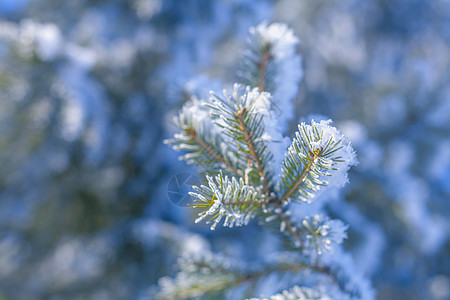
(87, 92)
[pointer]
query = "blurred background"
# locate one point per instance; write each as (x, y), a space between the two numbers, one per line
(87, 90)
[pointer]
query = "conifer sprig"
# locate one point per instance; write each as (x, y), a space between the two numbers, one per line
(213, 273)
(238, 135)
(202, 143)
(272, 65)
(311, 159)
(259, 67)
(226, 198)
(297, 293)
(241, 118)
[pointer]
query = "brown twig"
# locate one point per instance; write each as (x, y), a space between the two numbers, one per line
(263, 67)
(251, 147)
(289, 226)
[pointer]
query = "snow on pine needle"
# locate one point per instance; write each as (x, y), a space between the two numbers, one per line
(322, 233)
(252, 172)
(318, 157)
(229, 198)
(200, 138)
(297, 293)
(241, 117)
(272, 64)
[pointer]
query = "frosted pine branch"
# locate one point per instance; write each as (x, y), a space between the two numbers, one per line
(199, 139)
(212, 274)
(226, 198)
(313, 235)
(239, 135)
(322, 233)
(199, 275)
(241, 117)
(319, 156)
(297, 293)
(271, 64)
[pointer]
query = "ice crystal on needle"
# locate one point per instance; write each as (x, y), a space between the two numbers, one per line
(224, 197)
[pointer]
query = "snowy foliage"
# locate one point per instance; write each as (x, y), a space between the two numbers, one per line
(232, 199)
(322, 234)
(297, 293)
(272, 64)
(320, 156)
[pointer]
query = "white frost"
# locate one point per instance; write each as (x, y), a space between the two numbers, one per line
(287, 69)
